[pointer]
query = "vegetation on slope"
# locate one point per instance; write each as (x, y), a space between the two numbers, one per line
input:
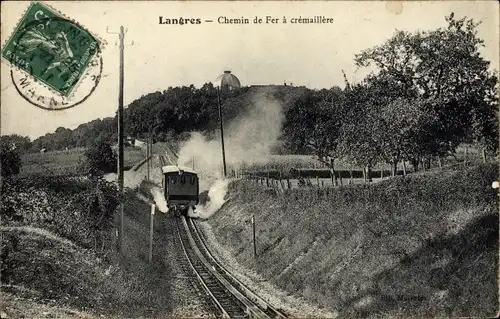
(59, 249)
(419, 245)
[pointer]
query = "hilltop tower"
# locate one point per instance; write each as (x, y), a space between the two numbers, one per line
(229, 81)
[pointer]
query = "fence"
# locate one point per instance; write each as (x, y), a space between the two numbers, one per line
(325, 178)
(282, 184)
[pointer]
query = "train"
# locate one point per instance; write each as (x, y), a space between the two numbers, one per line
(181, 188)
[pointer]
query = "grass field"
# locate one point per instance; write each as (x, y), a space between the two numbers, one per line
(283, 164)
(55, 163)
(70, 162)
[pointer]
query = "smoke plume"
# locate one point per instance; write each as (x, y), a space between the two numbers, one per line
(216, 193)
(248, 140)
(159, 199)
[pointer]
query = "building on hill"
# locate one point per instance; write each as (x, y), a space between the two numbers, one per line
(228, 81)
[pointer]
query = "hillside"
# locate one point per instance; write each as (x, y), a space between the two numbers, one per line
(171, 113)
(59, 261)
(421, 245)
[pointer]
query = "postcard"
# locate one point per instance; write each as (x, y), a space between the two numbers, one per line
(264, 159)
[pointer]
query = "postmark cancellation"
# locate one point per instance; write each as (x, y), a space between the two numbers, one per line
(54, 54)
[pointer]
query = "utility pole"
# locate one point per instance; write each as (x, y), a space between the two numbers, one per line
(229, 81)
(148, 153)
(221, 133)
(120, 137)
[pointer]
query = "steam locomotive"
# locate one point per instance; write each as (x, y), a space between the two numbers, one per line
(181, 188)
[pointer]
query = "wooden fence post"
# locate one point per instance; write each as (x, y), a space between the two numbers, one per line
(254, 244)
(332, 165)
(465, 157)
(151, 228)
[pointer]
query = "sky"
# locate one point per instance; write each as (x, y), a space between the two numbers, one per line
(158, 55)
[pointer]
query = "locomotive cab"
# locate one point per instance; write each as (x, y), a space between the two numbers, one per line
(181, 188)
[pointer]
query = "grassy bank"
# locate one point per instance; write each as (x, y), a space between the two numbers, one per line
(410, 246)
(59, 252)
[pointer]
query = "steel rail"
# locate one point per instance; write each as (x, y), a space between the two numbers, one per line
(267, 308)
(250, 308)
(200, 279)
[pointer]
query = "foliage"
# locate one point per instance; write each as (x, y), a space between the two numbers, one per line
(22, 143)
(429, 92)
(75, 209)
(313, 123)
(443, 69)
(180, 109)
(101, 159)
(83, 136)
(10, 160)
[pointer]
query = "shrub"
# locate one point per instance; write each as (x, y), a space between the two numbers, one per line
(101, 158)
(10, 161)
(79, 210)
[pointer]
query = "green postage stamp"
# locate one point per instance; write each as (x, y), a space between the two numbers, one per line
(51, 48)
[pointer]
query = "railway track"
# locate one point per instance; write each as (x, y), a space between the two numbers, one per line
(231, 297)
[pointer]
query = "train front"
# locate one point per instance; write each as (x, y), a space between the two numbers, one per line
(181, 188)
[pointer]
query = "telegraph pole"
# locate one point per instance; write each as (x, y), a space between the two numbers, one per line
(221, 133)
(120, 137)
(230, 81)
(148, 154)
(120, 134)
(120, 117)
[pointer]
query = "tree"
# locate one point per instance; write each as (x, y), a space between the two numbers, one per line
(406, 131)
(10, 161)
(360, 134)
(313, 123)
(19, 142)
(445, 67)
(101, 159)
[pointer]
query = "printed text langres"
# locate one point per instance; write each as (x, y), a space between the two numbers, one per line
(180, 21)
(244, 20)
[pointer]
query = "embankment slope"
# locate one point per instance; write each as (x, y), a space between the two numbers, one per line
(419, 245)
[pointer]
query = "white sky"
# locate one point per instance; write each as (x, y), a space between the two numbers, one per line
(175, 55)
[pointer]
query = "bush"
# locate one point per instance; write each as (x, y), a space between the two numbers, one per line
(101, 159)
(10, 161)
(79, 210)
